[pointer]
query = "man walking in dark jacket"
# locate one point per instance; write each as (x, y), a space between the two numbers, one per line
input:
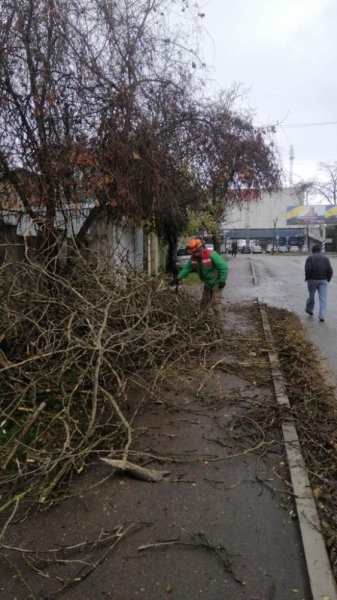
(318, 273)
(234, 248)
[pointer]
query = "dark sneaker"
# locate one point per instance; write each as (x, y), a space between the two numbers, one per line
(309, 313)
(322, 320)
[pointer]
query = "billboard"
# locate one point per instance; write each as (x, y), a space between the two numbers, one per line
(316, 214)
(331, 215)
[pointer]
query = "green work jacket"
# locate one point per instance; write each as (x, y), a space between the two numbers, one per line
(211, 268)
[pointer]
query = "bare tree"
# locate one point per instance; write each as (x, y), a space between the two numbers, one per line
(327, 188)
(229, 155)
(85, 86)
(324, 189)
(102, 100)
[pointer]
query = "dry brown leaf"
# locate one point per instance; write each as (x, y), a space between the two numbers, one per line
(318, 492)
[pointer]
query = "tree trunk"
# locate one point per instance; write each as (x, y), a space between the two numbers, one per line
(216, 243)
(171, 266)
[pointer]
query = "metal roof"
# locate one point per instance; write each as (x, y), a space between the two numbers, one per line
(266, 233)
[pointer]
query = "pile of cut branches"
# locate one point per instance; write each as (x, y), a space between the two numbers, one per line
(314, 408)
(71, 349)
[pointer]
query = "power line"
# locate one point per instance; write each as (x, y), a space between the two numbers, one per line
(293, 125)
(297, 125)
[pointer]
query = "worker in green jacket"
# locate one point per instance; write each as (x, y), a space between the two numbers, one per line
(212, 270)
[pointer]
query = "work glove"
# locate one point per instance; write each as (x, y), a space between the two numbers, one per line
(222, 285)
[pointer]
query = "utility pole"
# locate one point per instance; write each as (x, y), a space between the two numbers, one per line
(274, 231)
(323, 237)
(291, 159)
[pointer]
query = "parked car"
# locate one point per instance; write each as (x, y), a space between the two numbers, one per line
(294, 249)
(257, 250)
(304, 248)
(182, 257)
(245, 250)
(283, 249)
(209, 246)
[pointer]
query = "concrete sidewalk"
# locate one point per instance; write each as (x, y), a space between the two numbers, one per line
(209, 498)
(222, 525)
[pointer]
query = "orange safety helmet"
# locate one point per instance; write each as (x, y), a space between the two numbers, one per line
(194, 244)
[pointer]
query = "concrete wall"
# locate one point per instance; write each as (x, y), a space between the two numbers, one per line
(154, 255)
(112, 242)
(124, 247)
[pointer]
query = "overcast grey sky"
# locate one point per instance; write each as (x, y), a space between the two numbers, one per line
(285, 51)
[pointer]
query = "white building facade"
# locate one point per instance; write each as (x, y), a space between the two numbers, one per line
(258, 220)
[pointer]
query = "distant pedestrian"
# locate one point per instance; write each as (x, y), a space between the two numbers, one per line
(318, 273)
(234, 248)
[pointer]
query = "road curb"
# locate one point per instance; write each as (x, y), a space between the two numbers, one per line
(255, 281)
(322, 582)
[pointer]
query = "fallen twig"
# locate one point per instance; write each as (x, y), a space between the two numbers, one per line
(199, 541)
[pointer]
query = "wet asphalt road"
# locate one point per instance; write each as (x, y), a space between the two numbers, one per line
(281, 283)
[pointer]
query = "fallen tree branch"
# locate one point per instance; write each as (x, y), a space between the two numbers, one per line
(136, 470)
(23, 435)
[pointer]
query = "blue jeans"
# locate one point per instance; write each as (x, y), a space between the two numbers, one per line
(322, 287)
